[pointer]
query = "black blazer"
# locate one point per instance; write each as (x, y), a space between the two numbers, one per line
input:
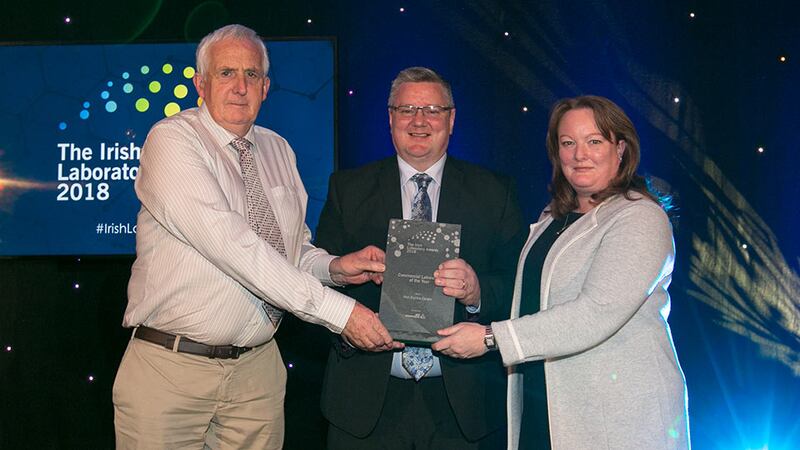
(357, 212)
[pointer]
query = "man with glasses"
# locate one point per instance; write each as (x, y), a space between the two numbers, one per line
(222, 251)
(412, 398)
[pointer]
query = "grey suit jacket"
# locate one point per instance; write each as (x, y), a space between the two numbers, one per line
(613, 378)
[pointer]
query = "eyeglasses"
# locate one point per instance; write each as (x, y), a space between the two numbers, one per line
(429, 111)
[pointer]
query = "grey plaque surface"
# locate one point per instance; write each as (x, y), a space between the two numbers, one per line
(412, 306)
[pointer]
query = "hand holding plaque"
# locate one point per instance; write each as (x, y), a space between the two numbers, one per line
(412, 306)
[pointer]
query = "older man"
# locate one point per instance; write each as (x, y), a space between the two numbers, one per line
(222, 253)
(414, 399)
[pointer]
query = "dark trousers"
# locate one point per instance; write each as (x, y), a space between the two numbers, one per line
(415, 416)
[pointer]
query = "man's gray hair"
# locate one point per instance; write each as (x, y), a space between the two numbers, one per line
(420, 75)
(234, 31)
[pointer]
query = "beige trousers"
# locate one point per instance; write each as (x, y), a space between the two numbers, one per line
(167, 400)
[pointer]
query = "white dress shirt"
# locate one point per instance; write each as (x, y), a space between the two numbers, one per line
(408, 189)
(200, 270)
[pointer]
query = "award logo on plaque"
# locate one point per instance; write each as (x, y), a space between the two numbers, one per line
(412, 306)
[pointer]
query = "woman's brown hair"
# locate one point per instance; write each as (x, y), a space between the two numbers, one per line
(615, 126)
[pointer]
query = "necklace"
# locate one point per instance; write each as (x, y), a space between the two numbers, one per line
(563, 227)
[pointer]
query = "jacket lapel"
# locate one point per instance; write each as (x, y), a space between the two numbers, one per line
(388, 192)
(450, 193)
(576, 231)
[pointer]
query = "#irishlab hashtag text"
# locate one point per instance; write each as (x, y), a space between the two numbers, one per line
(115, 228)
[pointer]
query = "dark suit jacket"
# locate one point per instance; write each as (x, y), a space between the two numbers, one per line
(357, 212)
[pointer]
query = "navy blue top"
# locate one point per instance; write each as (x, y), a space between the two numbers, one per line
(535, 429)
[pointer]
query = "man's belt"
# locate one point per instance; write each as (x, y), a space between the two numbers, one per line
(185, 345)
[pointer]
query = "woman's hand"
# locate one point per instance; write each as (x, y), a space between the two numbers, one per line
(462, 340)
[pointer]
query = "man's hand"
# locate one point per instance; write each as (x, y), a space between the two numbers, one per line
(359, 267)
(463, 340)
(459, 281)
(365, 331)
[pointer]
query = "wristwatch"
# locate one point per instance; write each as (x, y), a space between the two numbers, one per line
(488, 339)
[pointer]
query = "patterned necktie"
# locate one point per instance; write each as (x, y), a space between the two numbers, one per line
(421, 205)
(259, 212)
(419, 360)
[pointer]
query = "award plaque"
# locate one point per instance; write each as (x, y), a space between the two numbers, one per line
(412, 306)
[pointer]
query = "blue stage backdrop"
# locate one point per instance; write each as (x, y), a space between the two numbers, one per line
(71, 134)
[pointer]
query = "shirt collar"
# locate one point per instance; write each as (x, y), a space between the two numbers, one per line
(435, 171)
(222, 136)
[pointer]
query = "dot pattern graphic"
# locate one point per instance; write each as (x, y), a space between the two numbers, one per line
(171, 108)
(152, 92)
(180, 91)
(142, 105)
(427, 238)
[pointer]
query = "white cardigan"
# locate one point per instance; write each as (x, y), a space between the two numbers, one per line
(613, 378)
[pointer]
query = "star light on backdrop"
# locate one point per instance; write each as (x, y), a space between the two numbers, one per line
(738, 266)
(766, 288)
(532, 41)
(737, 269)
